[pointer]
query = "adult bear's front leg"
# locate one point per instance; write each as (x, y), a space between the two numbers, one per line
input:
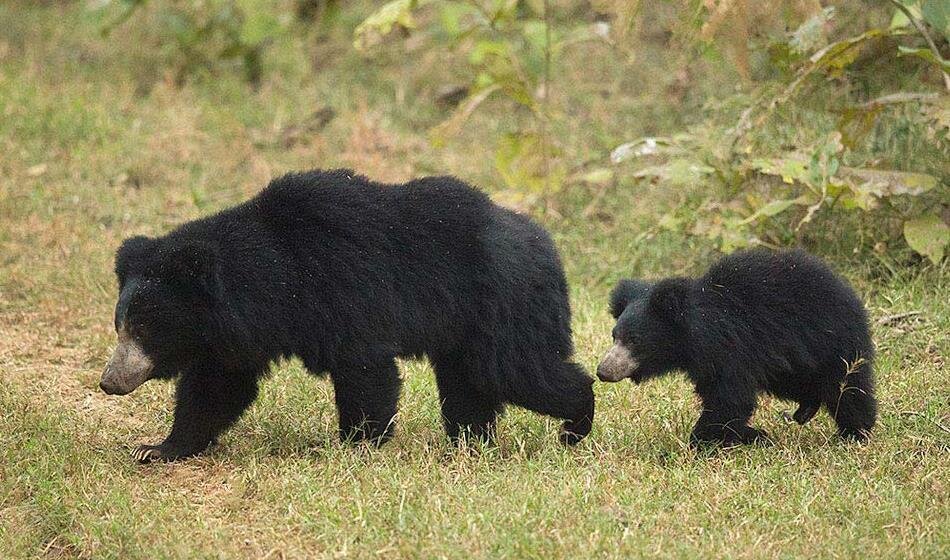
(366, 399)
(206, 404)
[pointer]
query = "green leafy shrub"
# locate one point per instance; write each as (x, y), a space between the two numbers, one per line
(201, 36)
(511, 49)
(773, 176)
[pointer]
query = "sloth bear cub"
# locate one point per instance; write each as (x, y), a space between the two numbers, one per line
(349, 274)
(758, 321)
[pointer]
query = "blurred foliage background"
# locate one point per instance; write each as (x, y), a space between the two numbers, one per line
(774, 122)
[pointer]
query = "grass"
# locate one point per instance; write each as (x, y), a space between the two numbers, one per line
(96, 144)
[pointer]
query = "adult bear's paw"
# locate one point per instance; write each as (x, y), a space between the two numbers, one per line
(160, 453)
(572, 432)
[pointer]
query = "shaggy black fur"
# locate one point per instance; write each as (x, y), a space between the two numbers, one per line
(776, 322)
(349, 274)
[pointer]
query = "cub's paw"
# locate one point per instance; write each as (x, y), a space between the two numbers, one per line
(854, 435)
(756, 436)
(805, 413)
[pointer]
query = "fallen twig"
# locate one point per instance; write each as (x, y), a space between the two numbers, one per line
(895, 98)
(890, 319)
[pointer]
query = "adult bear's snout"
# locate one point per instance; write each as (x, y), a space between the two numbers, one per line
(128, 368)
(617, 364)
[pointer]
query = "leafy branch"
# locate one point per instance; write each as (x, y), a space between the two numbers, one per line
(930, 42)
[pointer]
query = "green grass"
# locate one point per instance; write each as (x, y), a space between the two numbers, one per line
(96, 145)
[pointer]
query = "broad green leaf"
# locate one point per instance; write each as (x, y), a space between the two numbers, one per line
(774, 208)
(498, 65)
(599, 176)
(483, 50)
(927, 235)
(937, 14)
(381, 22)
(453, 15)
(678, 171)
(839, 55)
(504, 10)
(883, 183)
(900, 19)
(925, 54)
(534, 33)
(790, 169)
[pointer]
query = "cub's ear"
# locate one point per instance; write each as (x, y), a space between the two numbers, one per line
(130, 256)
(668, 297)
(193, 266)
(624, 293)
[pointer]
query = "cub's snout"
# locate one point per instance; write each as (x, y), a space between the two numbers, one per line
(617, 364)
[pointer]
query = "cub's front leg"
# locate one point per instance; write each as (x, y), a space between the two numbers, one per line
(727, 408)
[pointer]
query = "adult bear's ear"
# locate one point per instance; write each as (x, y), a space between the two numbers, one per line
(131, 256)
(668, 298)
(194, 266)
(625, 292)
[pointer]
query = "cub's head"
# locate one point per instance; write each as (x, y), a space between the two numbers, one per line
(167, 295)
(650, 334)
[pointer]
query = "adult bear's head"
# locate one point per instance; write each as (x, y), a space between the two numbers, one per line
(168, 291)
(650, 334)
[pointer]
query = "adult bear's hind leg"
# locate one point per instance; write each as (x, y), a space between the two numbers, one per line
(467, 411)
(562, 391)
(367, 399)
(206, 404)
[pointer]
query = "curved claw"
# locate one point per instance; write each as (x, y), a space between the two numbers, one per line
(147, 453)
(573, 432)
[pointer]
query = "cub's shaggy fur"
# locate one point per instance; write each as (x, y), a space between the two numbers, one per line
(758, 321)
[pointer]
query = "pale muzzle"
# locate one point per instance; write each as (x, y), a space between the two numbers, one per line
(617, 364)
(128, 367)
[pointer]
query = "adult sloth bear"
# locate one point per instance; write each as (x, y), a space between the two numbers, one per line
(349, 274)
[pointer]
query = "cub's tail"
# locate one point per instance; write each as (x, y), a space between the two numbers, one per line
(853, 405)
